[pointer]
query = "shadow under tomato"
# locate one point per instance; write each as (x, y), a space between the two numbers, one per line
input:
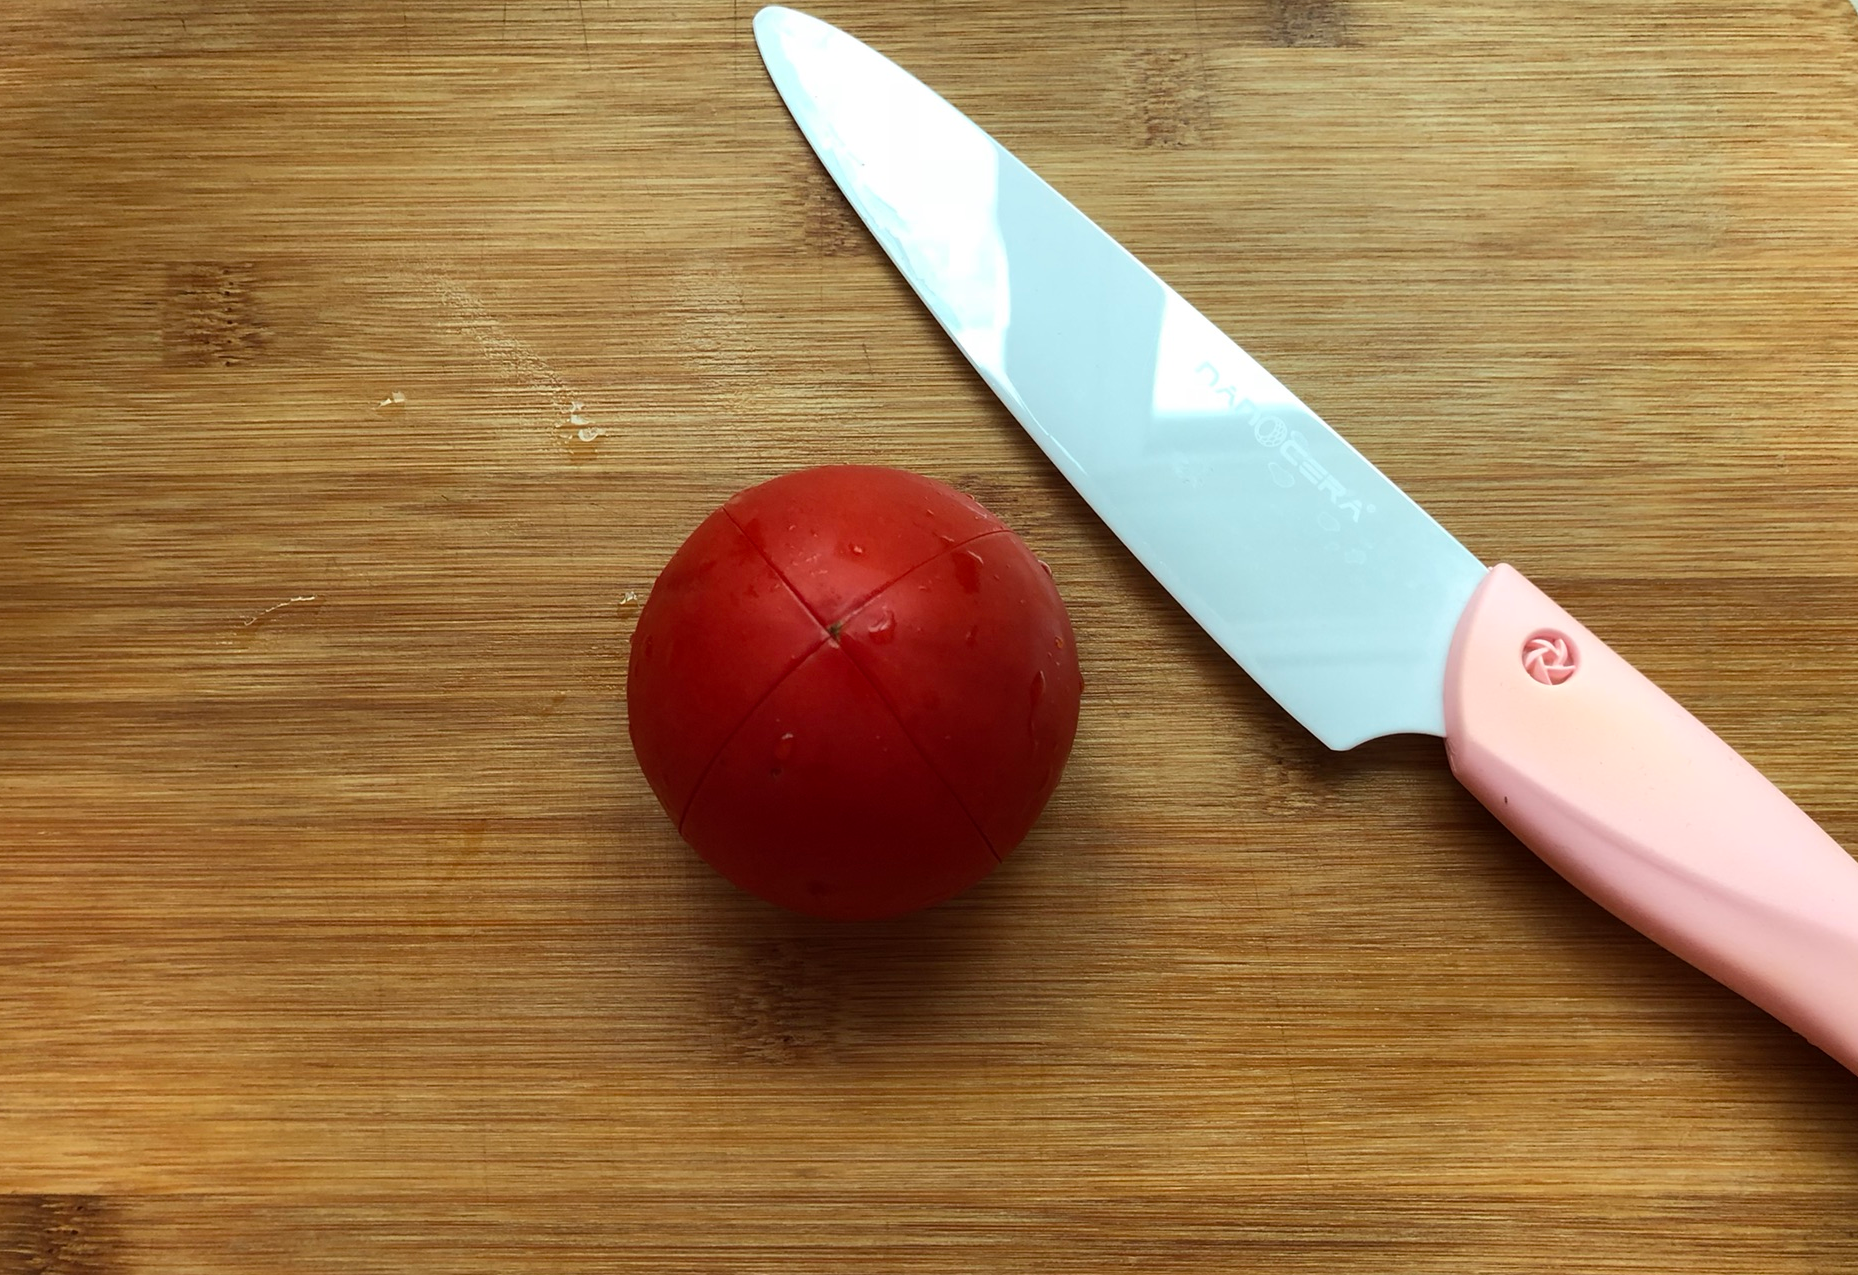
(777, 987)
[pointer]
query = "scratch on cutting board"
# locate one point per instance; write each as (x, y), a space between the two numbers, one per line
(711, 330)
(306, 601)
(569, 422)
(247, 632)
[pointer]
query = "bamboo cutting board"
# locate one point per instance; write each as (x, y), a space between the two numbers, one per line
(361, 365)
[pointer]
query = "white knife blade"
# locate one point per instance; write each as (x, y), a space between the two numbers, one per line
(1343, 605)
(1337, 593)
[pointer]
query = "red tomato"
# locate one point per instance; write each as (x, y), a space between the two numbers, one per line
(853, 689)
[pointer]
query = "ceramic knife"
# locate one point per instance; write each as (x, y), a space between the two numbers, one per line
(1335, 591)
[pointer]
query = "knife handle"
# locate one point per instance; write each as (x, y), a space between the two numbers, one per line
(1636, 802)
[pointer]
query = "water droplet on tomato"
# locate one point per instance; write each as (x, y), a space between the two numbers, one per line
(1038, 687)
(857, 551)
(883, 630)
(784, 747)
(968, 570)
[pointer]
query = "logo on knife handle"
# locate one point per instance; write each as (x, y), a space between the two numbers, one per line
(1549, 658)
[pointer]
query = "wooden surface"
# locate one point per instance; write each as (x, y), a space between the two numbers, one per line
(361, 365)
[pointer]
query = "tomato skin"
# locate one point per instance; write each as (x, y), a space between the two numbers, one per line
(821, 803)
(854, 690)
(718, 630)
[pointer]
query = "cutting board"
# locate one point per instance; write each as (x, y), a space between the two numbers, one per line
(361, 365)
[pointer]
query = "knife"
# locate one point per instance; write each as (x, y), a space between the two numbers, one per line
(1336, 592)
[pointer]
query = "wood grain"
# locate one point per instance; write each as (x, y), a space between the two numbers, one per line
(361, 365)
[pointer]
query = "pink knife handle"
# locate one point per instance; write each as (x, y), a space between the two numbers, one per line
(1636, 802)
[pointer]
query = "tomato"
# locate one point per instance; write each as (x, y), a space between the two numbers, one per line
(853, 689)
